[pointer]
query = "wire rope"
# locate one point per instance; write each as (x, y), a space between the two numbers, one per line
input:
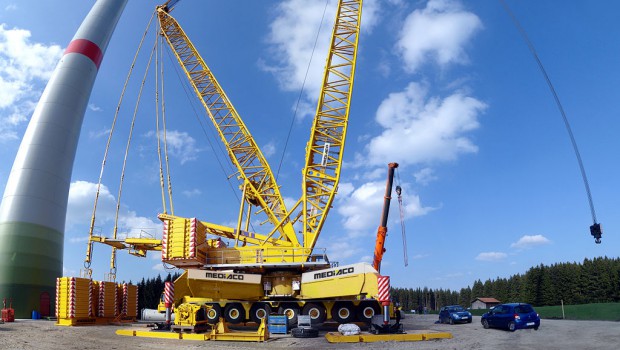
(107, 147)
(157, 132)
(120, 185)
(167, 158)
(204, 130)
(595, 229)
(402, 217)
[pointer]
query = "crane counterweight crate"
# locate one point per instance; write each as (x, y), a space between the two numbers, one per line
(127, 300)
(74, 301)
(107, 300)
(184, 242)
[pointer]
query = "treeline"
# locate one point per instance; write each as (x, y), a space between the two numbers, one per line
(149, 290)
(593, 281)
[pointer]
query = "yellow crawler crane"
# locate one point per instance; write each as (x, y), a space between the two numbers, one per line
(274, 272)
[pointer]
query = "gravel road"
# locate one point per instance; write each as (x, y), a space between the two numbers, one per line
(552, 335)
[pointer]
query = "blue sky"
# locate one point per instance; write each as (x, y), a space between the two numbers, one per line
(448, 89)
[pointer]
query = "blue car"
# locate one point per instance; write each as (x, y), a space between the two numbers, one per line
(454, 314)
(512, 317)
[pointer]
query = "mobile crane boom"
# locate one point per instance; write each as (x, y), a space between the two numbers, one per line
(259, 185)
(382, 230)
(324, 152)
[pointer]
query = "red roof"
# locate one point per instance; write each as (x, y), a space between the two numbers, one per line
(488, 300)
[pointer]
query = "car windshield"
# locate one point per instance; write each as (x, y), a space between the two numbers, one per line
(523, 309)
(456, 308)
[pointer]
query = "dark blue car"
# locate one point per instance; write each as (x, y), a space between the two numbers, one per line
(454, 314)
(512, 317)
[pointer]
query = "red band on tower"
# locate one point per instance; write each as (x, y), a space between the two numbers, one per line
(86, 48)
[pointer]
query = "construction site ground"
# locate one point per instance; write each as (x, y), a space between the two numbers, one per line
(553, 334)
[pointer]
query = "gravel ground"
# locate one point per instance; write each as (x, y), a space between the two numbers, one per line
(553, 334)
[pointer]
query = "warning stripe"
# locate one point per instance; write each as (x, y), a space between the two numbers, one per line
(101, 298)
(164, 242)
(86, 48)
(115, 301)
(125, 299)
(192, 239)
(168, 293)
(72, 298)
(384, 288)
(57, 297)
(90, 298)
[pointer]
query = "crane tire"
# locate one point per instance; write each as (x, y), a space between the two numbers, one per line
(258, 311)
(214, 314)
(234, 313)
(343, 312)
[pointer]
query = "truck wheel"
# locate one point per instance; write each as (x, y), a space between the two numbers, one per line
(214, 313)
(258, 311)
(366, 310)
(234, 313)
(316, 312)
(291, 311)
(342, 312)
(512, 326)
(305, 332)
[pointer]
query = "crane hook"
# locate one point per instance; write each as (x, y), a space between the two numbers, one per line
(596, 231)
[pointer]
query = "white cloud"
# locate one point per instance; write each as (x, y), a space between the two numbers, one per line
(530, 241)
(269, 149)
(94, 107)
(83, 239)
(425, 176)
(23, 67)
(437, 32)
(345, 189)
(292, 42)
(361, 208)
(180, 145)
(289, 202)
(491, 256)
(80, 207)
(342, 249)
(10, 7)
(192, 193)
(422, 129)
(98, 134)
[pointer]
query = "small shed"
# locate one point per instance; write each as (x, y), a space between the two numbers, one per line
(484, 303)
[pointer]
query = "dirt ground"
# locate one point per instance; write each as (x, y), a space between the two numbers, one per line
(553, 334)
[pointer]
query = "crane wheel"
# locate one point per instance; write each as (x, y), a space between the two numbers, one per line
(366, 310)
(291, 311)
(258, 311)
(234, 313)
(317, 312)
(213, 313)
(343, 312)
